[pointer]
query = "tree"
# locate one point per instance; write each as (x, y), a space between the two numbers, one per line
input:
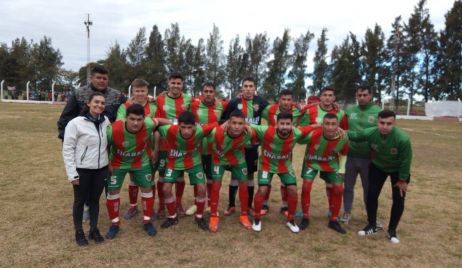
(18, 69)
(235, 66)
(173, 45)
(395, 47)
(298, 74)
(118, 66)
(214, 66)
(47, 62)
(320, 70)
(155, 64)
(277, 67)
(255, 56)
(135, 54)
(199, 58)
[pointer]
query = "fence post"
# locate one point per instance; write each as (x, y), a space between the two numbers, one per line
(383, 105)
(408, 107)
(1, 90)
(53, 92)
(129, 91)
(27, 90)
(154, 91)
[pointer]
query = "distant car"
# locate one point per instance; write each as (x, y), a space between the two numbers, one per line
(34, 96)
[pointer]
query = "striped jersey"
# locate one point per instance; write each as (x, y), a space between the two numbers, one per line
(130, 150)
(323, 154)
(271, 112)
(149, 109)
(314, 114)
(207, 114)
(276, 153)
(171, 108)
(184, 153)
(227, 150)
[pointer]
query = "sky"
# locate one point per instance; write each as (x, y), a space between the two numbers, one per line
(119, 20)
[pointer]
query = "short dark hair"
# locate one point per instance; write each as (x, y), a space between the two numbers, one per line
(363, 88)
(237, 113)
(208, 84)
(175, 76)
(329, 88)
(330, 116)
(99, 69)
(140, 83)
(284, 115)
(135, 109)
(386, 114)
(187, 118)
(250, 79)
(286, 92)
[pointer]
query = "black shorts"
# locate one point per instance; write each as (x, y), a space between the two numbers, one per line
(251, 158)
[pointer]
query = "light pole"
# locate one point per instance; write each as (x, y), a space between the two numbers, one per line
(88, 23)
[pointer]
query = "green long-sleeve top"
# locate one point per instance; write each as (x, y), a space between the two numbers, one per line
(361, 117)
(391, 152)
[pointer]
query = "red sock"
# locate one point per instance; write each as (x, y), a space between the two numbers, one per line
(336, 201)
(209, 191)
(214, 197)
(179, 192)
(306, 198)
(133, 194)
(258, 204)
(284, 194)
(113, 210)
(171, 206)
(291, 206)
(148, 205)
(160, 193)
(268, 193)
(243, 197)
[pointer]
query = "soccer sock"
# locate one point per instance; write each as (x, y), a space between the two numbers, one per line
(214, 198)
(232, 193)
(160, 192)
(267, 195)
(306, 198)
(200, 203)
(133, 194)
(209, 191)
(258, 204)
(179, 192)
(243, 197)
(148, 205)
(336, 199)
(283, 196)
(171, 206)
(292, 206)
(113, 204)
(250, 190)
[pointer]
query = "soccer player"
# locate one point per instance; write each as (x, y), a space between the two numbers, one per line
(285, 104)
(252, 106)
(207, 109)
(391, 156)
(130, 151)
(184, 142)
(326, 152)
(170, 106)
(277, 144)
(361, 116)
(140, 89)
(228, 143)
(314, 113)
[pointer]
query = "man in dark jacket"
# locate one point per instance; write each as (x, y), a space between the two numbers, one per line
(98, 82)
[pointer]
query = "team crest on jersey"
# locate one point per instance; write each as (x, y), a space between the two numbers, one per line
(148, 177)
(371, 119)
(244, 171)
(256, 107)
(239, 106)
(125, 143)
(354, 116)
(394, 151)
(200, 175)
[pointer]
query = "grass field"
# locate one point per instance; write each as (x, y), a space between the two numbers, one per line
(36, 222)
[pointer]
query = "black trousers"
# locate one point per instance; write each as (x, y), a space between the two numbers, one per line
(377, 178)
(91, 185)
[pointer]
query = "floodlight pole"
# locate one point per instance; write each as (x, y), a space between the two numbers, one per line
(88, 23)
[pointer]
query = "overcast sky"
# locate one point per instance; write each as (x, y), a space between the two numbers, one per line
(119, 20)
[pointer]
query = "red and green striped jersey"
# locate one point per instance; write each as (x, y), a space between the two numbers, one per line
(207, 114)
(170, 108)
(323, 154)
(314, 114)
(271, 112)
(149, 109)
(184, 153)
(130, 150)
(276, 153)
(227, 150)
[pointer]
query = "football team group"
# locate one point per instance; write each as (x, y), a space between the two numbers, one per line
(106, 136)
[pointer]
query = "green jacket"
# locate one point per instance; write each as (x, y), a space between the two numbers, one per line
(360, 118)
(391, 152)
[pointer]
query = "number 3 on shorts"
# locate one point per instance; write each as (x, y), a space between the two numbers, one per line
(168, 173)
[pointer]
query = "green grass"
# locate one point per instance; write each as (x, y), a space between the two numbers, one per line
(36, 223)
